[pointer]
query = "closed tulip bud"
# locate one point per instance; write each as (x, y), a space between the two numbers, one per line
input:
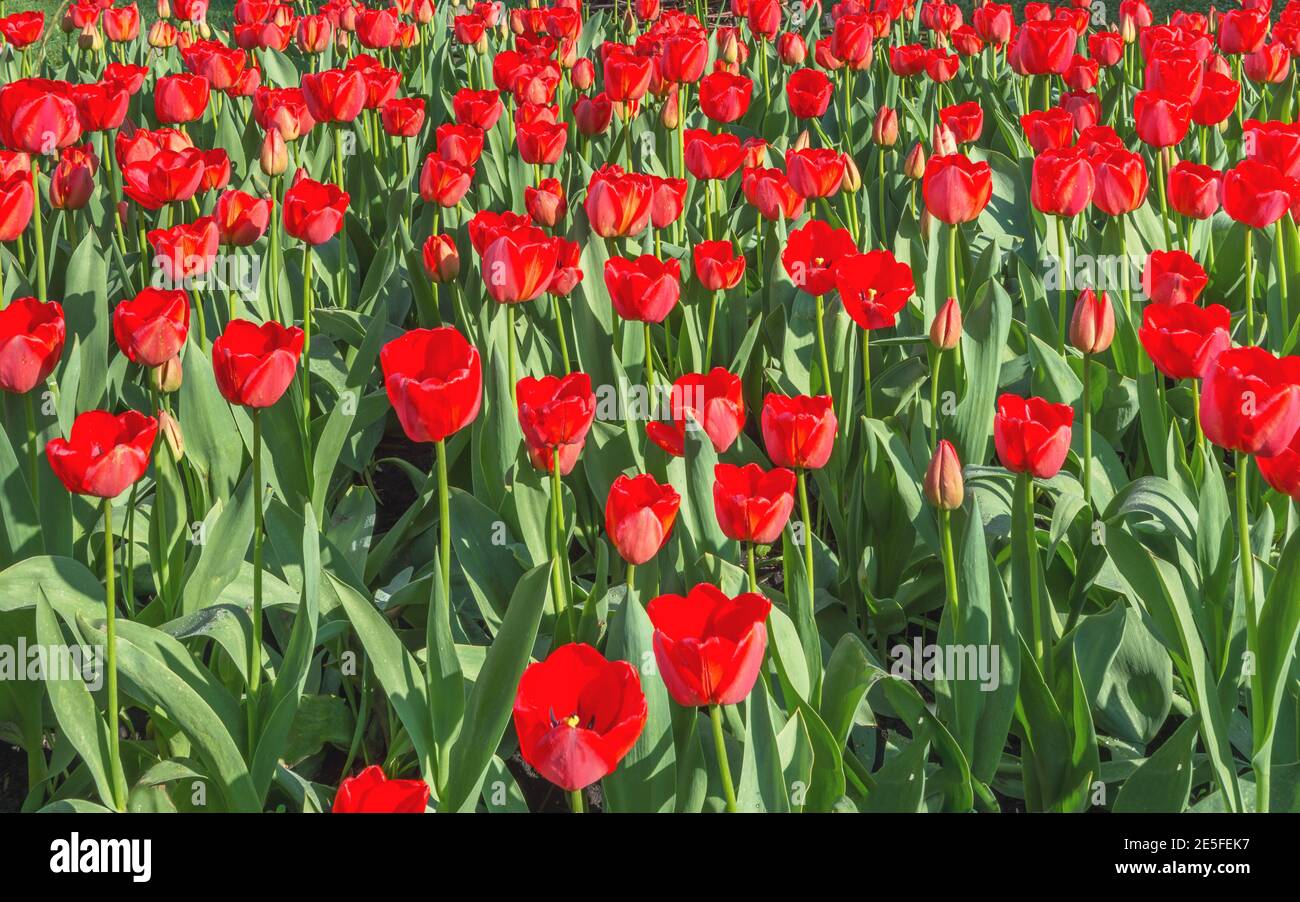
(441, 259)
(914, 165)
(943, 142)
(884, 131)
(275, 156)
(1092, 327)
(167, 376)
(629, 21)
(481, 45)
(944, 487)
(669, 117)
(945, 330)
(926, 220)
(90, 38)
(171, 429)
(205, 31)
(852, 177)
(802, 141)
(1128, 30)
(161, 34)
(583, 74)
(730, 49)
(164, 9)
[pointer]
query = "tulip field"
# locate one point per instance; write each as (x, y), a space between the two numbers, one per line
(649, 406)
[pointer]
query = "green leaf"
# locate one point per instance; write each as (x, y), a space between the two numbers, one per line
(1161, 783)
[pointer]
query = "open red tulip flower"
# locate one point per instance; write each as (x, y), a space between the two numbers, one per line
(724, 96)
(770, 193)
(808, 93)
(444, 181)
(1120, 178)
(1063, 182)
(1195, 190)
(752, 504)
(1173, 277)
(151, 327)
(639, 516)
(714, 402)
(577, 715)
(709, 646)
(16, 204)
(105, 454)
(370, 792)
(1256, 193)
(712, 156)
(811, 253)
(31, 342)
(618, 202)
(644, 289)
(1250, 401)
(242, 218)
(555, 415)
(254, 364)
(956, 189)
(1282, 470)
(313, 211)
(518, 264)
(434, 380)
(799, 431)
(717, 266)
(38, 116)
(180, 98)
(22, 29)
(1032, 435)
(164, 177)
(334, 95)
(185, 251)
(1182, 340)
(815, 171)
(1161, 118)
(873, 288)
(1047, 130)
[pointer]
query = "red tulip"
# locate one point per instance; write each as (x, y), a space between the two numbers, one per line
(180, 98)
(370, 792)
(815, 172)
(518, 264)
(1217, 99)
(769, 192)
(577, 715)
(38, 116)
(764, 18)
(434, 380)
(1182, 340)
(222, 66)
(627, 75)
(941, 66)
(163, 178)
(908, 59)
(667, 198)
(101, 105)
(965, 120)
(376, 28)
(1121, 182)
(791, 48)
(873, 288)
(105, 454)
(555, 415)
(334, 95)
(811, 253)
(710, 156)
(1048, 129)
(403, 117)
(1032, 435)
(546, 204)
(1242, 30)
(592, 115)
(541, 143)
(1274, 143)
(1282, 470)
(481, 109)
(22, 29)
(16, 204)
(943, 485)
(993, 22)
(186, 250)
(151, 327)
(314, 212)
(31, 342)
(1255, 193)
(568, 269)
(714, 402)
(717, 266)
(440, 257)
(1062, 183)
(1045, 47)
(73, 179)
(618, 203)
(254, 364)
(1106, 47)
(639, 515)
(1250, 401)
(1162, 120)
(709, 647)
(956, 189)
(798, 431)
(644, 289)
(242, 218)
(444, 182)
(682, 57)
(945, 328)
(808, 93)
(751, 504)
(725, 97)
(1173, 277)
(1194, 190)
(1092, 326)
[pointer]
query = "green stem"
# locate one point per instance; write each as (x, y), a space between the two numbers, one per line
(708, 341)
(32, 471)
(1279, 244)
(343, 232)
(1087, 428)
(867, 406)
(41, 290)
(1164, 200)
(1196, 414)
(511, 351)
(649, 360)
(255, 647)
(1261, 754)
(934, 398)
(750, 568)
(560, 599)
(444, 522)
(720, 746)
(949, 566)
(308, 304)
(1038, 614)
(559, 328)
(110, 612)
(1063, 302)
(880, 194)
(1250, 286)
(821, 349)
(807, 531)
(575, 802)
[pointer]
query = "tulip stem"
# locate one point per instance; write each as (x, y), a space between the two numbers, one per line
(1164, 200)
(934, 397)
(510, 351)
(750, 567)
(275, 253)
(33, 471)
(343, 230)
(949, 566)
(1039, 623)
(560, 601)
(1250, 286)
(1063, 296)
(110, 630)
(807, 532)
(255, 647)
(708, 341)
(880, 194)
(444, 523)
(1262, 752)
(649, 361)
(867, 406)
(720, 745)
(1196, 414)
(41, 290)
(308, 303)
(1087, 429)
(559, 328)
(1279, 243)
(821, 349)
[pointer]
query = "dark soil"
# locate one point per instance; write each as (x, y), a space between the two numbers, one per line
(13, 778)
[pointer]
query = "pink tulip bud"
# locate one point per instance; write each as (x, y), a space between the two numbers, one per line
(943, 486)
(945, 330)
(1092, 328)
